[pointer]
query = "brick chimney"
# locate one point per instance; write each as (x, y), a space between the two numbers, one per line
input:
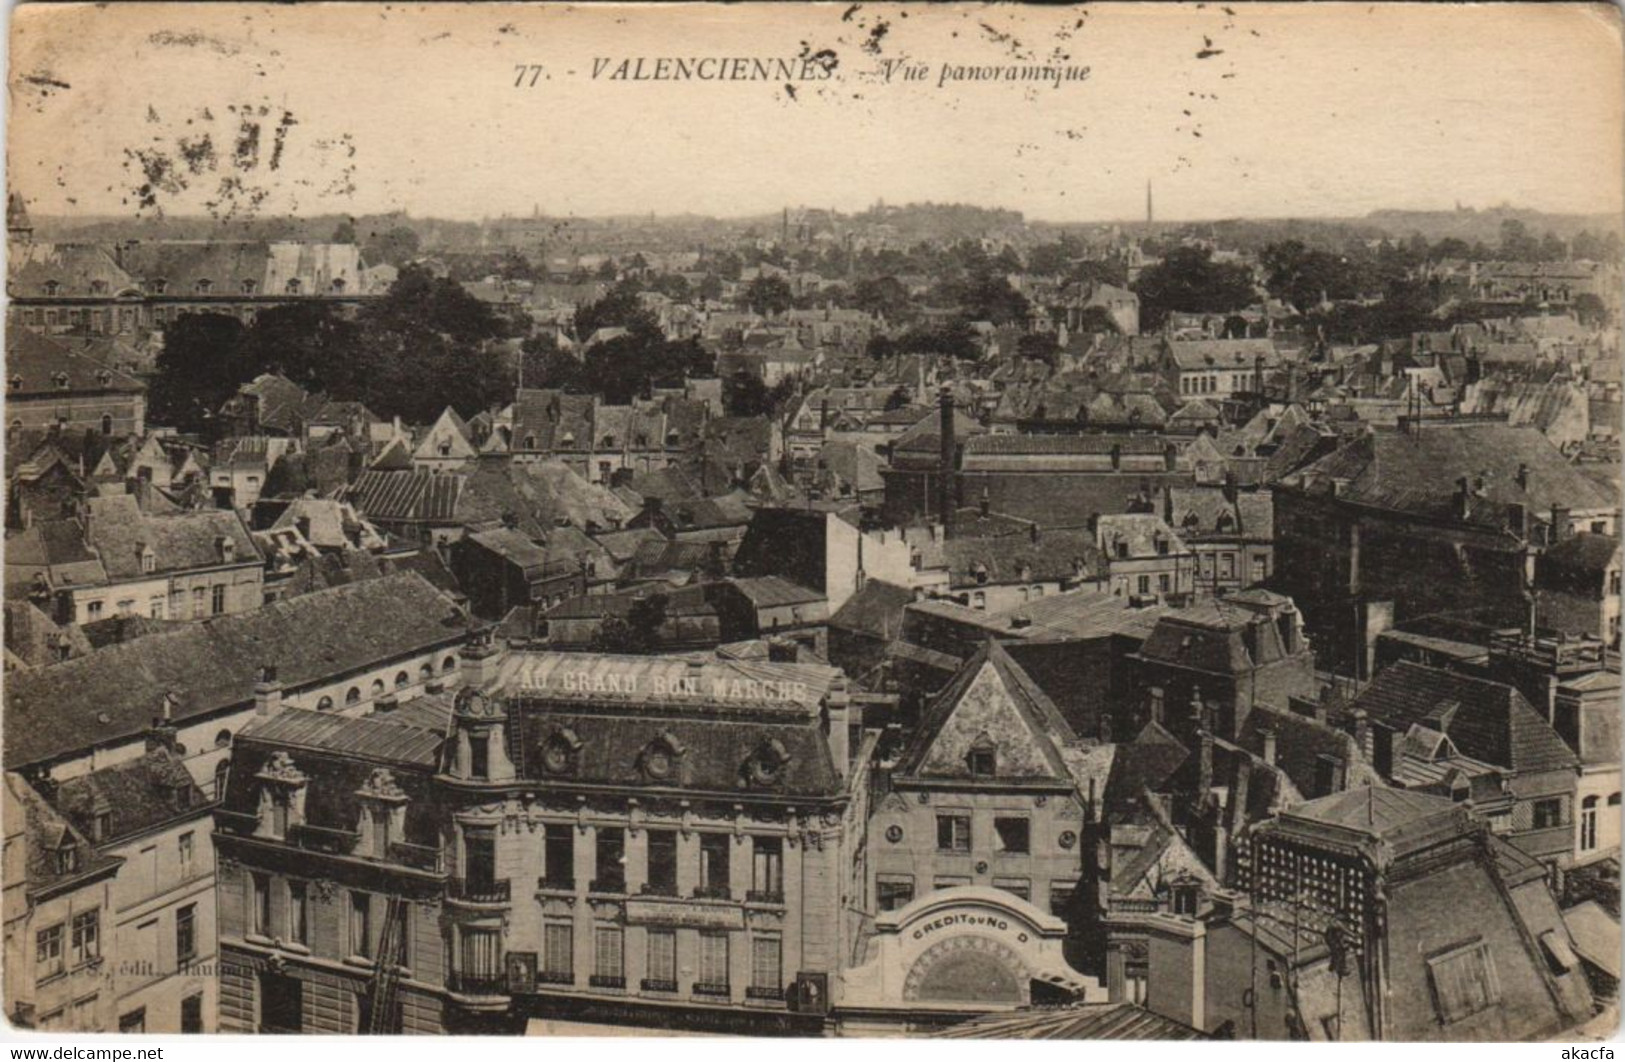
(945, 473)
(267, 691)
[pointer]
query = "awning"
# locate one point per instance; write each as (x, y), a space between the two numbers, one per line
(1595, 935)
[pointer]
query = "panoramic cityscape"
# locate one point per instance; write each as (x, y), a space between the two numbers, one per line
(892, 617)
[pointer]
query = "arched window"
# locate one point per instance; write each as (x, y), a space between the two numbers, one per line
(377, 687)
(354, 696)
(1588, 823)
(222, 772)
(107, 424)
(325, 704)
(294, 286)
(450, 664)
(222, 740)
(338, 285)
(402, 679)
(426, 671)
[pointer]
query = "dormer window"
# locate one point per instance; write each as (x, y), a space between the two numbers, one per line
(149, 560)
(16, 383)
(248, 287)
(1162, 545)
(67, 859)
(609, 441)
(294, 287)
(202, 287)
(61, 380)
(979, 572)
(104, 377)
(98, 287)
(101, 828)
(568, 439)
(228, 549)
(337, 286)
(662, 758)
(559, 752)
(766, 764)
(159, 286)
(671, 438)
(52, 288)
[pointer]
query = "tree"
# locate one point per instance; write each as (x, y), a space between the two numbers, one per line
(543, 364)
(619, 307)
(768, 295)
(1516, 243)
(607, 270)
(639, 632)
(1590, 310)
(987, 296)
(899, 398)
(395, 247)
(344, 231)
(884, 296)
(199, 368)
(1189, 280)
(745, 395)
(313, 344)
(710, 287)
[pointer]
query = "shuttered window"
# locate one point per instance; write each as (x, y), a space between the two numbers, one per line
(663, 956)
(558, 945)
(764, 964)
(1464, 981)
(713, 960)
(608, 963)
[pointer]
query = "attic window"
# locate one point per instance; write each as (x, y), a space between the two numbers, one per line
(104, 377)
(766, 765)
(202, 287)
(52, 287)
(530, 442)
(159, 286)
(337, 287)
(294, 286)
(609, 441)
(982, 759)
(248, 287)
(98, 287)
(671, 438)
(67, 859)
(102, 828)
(560, 750)
(16, 383)
(661, 757)
(61, 380)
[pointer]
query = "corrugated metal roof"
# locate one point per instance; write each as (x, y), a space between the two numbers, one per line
(367, 738)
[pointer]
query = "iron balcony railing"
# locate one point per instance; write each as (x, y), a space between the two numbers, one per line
(480, 891)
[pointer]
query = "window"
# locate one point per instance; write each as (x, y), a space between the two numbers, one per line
(953, 833)
(558, 951)
(448, 664)
(260, 911)
(377, 688)
(93, 611)
(558, 856)
(662, 972)
(248, 287)
(894, 891)
(67, 859)
(353, 696)
(186, 849)
(107, 429)
(126, 608)
(767, 869)
(1143, 584)
(48, 952)
(662, 876)
(281, 807)
(1548, 813)
(192, 1014)
(608, 963)
(293, 286)
(222, 774)
(1227, 565)
(1011, 835)
(198, 596)
(479, 756)
(155, 608)
(766, 968)
(1464, 982)
(298, 912)
(714, 865)
(185, 935)
(402, 679)
(611, 852)
(1060, 897)
(1261, 569)
(983, 762)
(1015, 887)
(133, 1022)
(281, 1003)
(325, 704)
(713, 970)
(1588, 824)
(479, 859)
(361, 924)
(87, 937)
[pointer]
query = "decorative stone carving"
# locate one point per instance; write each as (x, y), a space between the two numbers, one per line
(281, 769)
(382, 787)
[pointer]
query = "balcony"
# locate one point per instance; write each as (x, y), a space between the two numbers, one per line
(658, 888)
(555, 977)
(655, 984)
(767, 896)
(764, 992)
(608, 886)
(479, 984)
(557, 884)
(322, 839)
(707, 988)
(416, 856)
(712, 892)
(488, 891)
(605, 981)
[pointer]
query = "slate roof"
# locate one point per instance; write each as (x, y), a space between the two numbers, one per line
(1418, 470)
(1084, 1021)
(364, 738)
(39, 641)
(1050, 556)
(1494, 723)
(876, 609)
(1146, 763)
(35, 363)
(772, 591)
(45, 831)
(110, 696)
(1400, 818)
(1213, 636)
(1198, 354)
(180, 542)
(137, 795)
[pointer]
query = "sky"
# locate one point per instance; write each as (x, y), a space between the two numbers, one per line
(1261, 110)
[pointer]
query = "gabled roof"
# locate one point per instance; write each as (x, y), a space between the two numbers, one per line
(136, 795)
(45, 832)
(38, 366)
(1146, 763)
(120, 532)
(110, 696)
(991, 700)
(1494, 723)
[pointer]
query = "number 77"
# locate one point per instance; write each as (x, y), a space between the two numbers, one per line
(533, 69)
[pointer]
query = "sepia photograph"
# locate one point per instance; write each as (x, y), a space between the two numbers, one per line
(851, 520)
